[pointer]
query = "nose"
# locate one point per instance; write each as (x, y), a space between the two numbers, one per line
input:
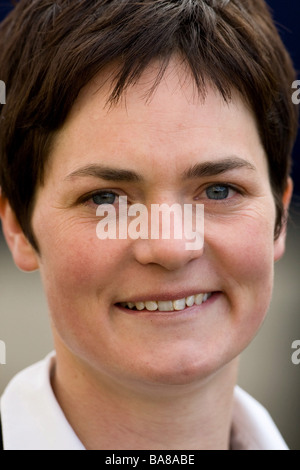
(170, 254)
(171, 249)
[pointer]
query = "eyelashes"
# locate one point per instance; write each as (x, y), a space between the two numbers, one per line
(98, 198)
(104, 197)
(219, 192)
(216, 193)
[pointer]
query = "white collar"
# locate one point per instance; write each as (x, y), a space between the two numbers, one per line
(31, 417)
(33, 420)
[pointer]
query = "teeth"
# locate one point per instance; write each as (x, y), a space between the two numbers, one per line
(169, 305)
(179, 304)
(140, 305)
(165, 306)
(190, 300)
(151, 306)
(199, 299)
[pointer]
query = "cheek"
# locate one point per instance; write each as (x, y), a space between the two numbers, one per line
(243, 259)
(244, 256)
(74, 262)
(81, 275)
(253, 269)
(251, 254)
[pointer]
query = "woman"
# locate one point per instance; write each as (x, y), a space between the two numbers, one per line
(112, 104)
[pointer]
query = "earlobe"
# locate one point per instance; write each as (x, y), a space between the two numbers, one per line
(279, 246)
(25, 258)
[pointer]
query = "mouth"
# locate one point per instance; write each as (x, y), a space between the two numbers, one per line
(168, 305)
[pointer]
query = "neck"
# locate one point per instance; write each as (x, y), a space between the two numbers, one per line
(114, 416)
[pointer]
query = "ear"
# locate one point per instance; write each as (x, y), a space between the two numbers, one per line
(279, 245)
(23, 253)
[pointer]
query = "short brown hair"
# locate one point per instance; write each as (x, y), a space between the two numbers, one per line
(49, 50)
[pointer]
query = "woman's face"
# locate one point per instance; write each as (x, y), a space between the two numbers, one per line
(87, 279)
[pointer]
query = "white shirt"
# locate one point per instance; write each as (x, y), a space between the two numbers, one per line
(33, 420)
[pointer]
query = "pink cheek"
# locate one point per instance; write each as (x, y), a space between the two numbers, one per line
(87, 263)
(243, 251)
(250, 263)
(256, 251)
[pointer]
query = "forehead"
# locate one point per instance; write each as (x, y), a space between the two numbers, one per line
(173, 120)
(152, 94)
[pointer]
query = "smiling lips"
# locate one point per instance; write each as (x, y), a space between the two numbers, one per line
(168, 305)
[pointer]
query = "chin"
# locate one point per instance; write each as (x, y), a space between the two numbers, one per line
(182, 372)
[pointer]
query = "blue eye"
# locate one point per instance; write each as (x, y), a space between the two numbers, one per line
(218, 192)
(104, 198)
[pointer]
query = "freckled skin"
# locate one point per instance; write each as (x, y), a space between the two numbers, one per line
(84, 277)
(151, 380)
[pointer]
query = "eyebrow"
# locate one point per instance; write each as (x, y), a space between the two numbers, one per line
(106, 173)
(214, 168)
(204, 169)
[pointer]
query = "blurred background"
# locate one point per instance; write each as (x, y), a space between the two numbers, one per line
(267, 371)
